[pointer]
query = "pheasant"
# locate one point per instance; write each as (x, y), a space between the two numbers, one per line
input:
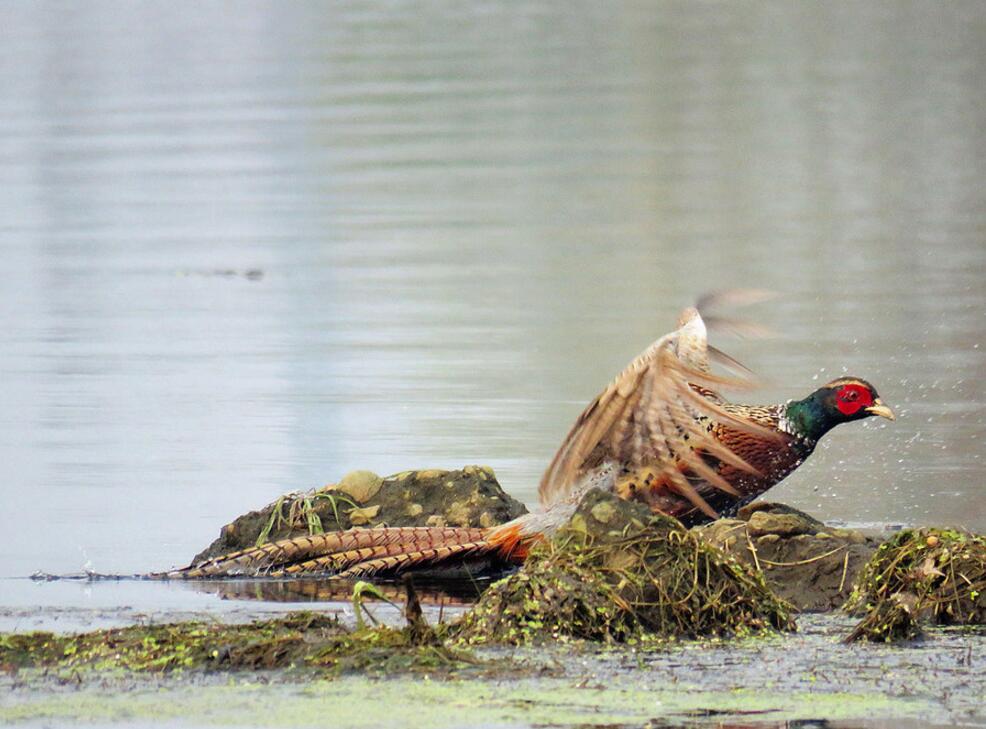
(660, 433)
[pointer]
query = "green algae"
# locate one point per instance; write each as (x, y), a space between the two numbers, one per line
(937, 575)
(426, 704)
(618, 573)
(712, 682)
(300, 641)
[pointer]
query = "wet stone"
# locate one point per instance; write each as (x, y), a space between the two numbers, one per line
(364, 515)
(360, 485)
(782, 525)
(746, 512)
(812, 566)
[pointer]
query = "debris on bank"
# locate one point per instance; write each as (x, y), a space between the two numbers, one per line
(938, 575)
(470, 497)
(301, 641)
(811, 565)
(619, 573)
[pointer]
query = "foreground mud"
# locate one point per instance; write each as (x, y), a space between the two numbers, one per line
(805, 677)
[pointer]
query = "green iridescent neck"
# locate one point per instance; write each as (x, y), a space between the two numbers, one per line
(809, 418)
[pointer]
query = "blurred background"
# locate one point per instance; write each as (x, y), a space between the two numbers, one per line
(248, 247)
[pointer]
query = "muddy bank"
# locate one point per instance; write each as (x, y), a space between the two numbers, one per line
(614, 572)
(469, 497)
(589, 579)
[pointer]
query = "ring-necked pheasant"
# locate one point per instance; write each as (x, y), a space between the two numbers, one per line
(660, 433)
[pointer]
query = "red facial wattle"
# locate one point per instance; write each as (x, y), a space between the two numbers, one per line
(850, 399)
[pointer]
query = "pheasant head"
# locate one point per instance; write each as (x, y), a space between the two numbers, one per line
(840, 401)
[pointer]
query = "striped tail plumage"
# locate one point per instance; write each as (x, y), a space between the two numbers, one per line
(362, 552)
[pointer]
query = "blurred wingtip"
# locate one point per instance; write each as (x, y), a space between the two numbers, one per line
(742, 328)
(733, 298)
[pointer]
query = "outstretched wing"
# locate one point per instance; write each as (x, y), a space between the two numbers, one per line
(656, 414)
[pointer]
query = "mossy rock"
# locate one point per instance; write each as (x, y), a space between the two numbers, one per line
(807, 563)
(618, 573)
(469, 497)
(937, 575)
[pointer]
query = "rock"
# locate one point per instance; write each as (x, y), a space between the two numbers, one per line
(784, 525)
(359, 517)
(468, 497)
(808, 564)
(360, 485)
(772, 507)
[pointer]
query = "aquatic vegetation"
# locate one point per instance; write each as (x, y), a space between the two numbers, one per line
(300, 641)
(302, 513)
(933, 574)
(618, 573)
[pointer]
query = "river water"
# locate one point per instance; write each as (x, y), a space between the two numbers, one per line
(252, 247)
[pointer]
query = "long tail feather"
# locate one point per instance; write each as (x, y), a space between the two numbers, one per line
(432, 556)
(268, 558)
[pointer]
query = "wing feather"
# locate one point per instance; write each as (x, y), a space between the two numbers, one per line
(656, 413)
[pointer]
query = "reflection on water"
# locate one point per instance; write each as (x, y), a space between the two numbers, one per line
(249, 252)
(445, 593)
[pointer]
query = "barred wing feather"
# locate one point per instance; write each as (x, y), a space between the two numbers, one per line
(656, 413)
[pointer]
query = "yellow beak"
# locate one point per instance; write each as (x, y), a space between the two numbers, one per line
(878, 408)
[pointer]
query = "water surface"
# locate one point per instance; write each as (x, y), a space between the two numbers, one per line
(250, 248)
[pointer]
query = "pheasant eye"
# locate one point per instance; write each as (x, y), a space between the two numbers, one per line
(850, 399)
